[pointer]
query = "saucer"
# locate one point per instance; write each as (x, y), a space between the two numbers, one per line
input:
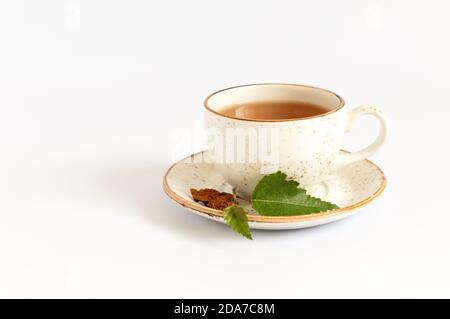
(351, 188)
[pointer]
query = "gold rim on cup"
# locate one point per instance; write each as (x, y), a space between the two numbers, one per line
(340, 106)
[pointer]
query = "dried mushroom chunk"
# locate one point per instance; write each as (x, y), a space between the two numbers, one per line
(213, 198)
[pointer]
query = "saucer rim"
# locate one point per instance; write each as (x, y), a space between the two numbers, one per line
(272, 219)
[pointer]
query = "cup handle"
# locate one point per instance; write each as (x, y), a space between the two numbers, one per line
(348, 158)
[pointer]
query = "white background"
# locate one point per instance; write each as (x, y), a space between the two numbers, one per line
(92, 93)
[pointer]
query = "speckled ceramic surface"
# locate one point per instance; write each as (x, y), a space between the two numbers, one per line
(351, 188)
(306, 149)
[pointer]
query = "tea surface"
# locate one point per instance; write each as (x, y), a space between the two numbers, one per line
(274, 110)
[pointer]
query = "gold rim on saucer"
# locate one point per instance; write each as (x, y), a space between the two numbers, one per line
(272, 219)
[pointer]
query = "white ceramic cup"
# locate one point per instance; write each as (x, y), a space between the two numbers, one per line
(306, 149)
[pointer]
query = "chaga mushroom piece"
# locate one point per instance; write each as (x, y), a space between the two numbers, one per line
(213, 198)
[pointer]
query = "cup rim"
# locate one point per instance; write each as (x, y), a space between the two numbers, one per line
(340, 106)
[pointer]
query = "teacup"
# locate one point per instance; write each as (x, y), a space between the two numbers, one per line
(306, 149)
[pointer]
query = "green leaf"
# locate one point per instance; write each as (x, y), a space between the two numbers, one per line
(276, 196)
(236, 218)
